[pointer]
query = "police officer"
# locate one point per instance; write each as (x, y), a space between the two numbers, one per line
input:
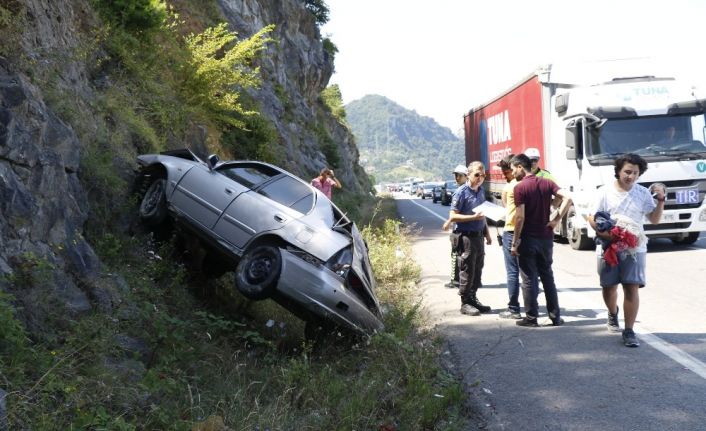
(467, 238)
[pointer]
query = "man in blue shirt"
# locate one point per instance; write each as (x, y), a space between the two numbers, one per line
(467, 238)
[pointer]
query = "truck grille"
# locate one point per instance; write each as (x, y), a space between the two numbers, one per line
(681, 225)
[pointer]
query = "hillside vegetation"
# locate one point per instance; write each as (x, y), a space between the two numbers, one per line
(395, 142)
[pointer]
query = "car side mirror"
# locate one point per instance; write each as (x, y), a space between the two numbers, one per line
(212, 161)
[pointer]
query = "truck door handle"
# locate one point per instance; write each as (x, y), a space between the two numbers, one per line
(280, 218)
(229, 191)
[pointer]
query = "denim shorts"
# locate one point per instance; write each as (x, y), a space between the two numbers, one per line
(629, 270)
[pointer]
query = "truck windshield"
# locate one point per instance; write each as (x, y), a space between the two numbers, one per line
(657, 138)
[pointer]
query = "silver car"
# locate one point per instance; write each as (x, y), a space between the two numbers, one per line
(286, 240)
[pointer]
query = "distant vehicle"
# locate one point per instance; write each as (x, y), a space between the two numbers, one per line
(425, 190)
(283, 239)
(447, 191)
(436, 193)
(406, 187)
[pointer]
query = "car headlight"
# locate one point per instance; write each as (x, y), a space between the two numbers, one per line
(340, 263)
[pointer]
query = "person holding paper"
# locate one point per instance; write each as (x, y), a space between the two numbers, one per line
(467, 238)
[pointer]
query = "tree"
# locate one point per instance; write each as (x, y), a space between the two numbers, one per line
(319, 9)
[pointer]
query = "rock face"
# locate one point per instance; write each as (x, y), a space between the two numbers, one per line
(299, 68)
(45, 262)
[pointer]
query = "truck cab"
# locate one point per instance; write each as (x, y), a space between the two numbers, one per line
(661, 120)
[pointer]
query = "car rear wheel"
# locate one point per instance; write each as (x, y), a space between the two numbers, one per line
(153, 208)
(258, 271)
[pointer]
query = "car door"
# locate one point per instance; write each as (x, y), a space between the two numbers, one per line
(265, 208)
(203, 194)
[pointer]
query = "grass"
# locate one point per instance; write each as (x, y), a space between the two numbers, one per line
(181, 351)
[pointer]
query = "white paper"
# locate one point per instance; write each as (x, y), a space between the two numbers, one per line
(491, 210)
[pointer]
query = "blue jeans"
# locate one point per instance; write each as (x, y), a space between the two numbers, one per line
(513, 273)
(536, 264)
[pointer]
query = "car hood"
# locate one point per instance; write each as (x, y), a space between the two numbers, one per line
(324, 232)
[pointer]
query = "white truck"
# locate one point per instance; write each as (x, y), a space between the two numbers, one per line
(580, 120)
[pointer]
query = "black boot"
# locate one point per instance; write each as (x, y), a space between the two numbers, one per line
(479, 305)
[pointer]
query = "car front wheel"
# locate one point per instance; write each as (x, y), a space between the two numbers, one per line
(153, 208)
(258, 271)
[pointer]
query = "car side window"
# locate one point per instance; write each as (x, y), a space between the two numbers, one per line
(290, 192)
(249, 175)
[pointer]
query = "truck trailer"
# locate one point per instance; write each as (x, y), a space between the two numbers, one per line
(581, 120)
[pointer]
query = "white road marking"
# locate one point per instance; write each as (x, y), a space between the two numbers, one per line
(428, 210)
(673, 352)
(686, 360)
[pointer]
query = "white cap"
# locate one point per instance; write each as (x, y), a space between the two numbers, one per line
(532, 153)
(460, 169)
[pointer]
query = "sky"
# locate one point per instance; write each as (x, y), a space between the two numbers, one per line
(442, 58)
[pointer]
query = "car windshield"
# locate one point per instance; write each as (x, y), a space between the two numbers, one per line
(657, 138)
(451, 185)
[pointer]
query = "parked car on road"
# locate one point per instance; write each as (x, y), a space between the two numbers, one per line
(447, 191)
(436, 193)
(283, 238)
(425, 190)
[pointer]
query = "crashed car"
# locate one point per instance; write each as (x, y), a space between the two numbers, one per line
(283, 238)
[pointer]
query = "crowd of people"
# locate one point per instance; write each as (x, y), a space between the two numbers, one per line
(534, 206)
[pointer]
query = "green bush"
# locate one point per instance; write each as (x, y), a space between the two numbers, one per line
(219, 68)
(331, 96)
(136, 16)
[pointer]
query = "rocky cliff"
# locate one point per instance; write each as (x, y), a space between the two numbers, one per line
(47, 186)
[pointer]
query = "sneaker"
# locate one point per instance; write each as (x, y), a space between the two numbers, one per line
(510, 314)
(613, 324)
(629, 338)
(479, 305)
(553, 322)
(530, 322)
(469, 310)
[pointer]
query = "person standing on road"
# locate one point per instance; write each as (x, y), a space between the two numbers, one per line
(511, 263)
(533, 155)
(461, 176)
(533, 241)
(467, 238)
(326, 181)
(625, 199)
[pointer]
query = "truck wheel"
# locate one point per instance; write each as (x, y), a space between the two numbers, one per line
(153, 208)
(258, 271)
(577, 239)
(691, 238)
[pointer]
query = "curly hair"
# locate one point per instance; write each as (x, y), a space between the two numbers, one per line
(631, 158)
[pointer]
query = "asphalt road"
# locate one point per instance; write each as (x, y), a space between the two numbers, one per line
(578, 376)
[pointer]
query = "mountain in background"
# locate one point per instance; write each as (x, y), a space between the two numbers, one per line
(395, 142)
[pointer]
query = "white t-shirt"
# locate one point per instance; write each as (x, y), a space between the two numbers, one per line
(636, 204)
